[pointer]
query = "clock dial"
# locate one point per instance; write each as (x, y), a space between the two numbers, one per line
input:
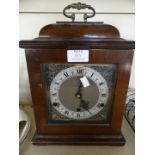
(79, 92)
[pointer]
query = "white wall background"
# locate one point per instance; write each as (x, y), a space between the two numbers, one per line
(34, 14)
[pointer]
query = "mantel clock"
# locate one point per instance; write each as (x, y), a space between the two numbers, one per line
(79, 74)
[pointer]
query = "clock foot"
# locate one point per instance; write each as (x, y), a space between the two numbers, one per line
(49, 139)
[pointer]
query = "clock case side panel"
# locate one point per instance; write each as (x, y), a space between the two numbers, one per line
(37, 56)
(36, 87)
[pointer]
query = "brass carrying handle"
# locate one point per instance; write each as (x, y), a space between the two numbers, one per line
(79, 6)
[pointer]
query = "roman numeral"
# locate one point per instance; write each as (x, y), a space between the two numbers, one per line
(54, 94)
(66, 74)
(92, 74)
(79, 71)
(89, 112)
(103, 95)
(101, 83)
(56, 83)
(66, 112)
(56, 104)
(78, 115)
(100, 105)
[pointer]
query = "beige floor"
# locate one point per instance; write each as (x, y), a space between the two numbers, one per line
(28, 149)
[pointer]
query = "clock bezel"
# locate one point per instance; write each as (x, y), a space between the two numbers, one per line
(72, 73)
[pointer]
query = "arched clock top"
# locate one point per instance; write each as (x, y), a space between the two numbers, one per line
(80, 30)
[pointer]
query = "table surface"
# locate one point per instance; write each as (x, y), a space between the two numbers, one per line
(28, 149)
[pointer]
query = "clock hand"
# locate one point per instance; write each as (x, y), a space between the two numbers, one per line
(83, 103)
(78, 93)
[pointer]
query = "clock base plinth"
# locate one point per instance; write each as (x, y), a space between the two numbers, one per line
(49, 139)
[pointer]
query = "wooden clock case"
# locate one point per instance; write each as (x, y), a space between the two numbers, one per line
(105, 47)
